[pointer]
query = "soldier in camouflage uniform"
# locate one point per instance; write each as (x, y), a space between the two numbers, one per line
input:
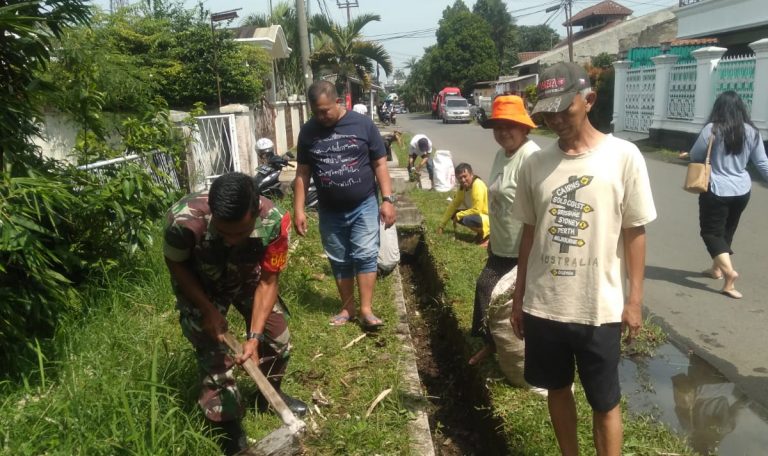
(227, 247)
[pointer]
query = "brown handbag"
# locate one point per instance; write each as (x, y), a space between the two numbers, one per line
(697, 177)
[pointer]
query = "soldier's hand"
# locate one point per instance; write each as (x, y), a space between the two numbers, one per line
(214, 324)
(250, 350)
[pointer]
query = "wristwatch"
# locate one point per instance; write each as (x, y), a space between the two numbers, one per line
(255, 335)
(389, 198)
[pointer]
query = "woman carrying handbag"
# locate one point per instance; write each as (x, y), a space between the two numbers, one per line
(735, 142)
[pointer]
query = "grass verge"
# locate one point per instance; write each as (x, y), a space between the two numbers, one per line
(524, 414)
(402, 152)
(121, 379)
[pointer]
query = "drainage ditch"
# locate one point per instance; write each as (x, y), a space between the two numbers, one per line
(459, 412)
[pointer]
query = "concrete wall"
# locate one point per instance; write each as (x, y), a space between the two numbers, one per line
(713, 17)
(59, 135)
(651, 36)
(606, 40)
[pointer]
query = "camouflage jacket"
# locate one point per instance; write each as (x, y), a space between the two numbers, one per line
(226, 272)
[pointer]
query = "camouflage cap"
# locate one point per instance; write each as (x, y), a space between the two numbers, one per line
(558, 85)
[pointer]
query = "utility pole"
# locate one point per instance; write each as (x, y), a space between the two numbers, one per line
(348, 5)
(568, 17)
(304, 43)
(566, 5)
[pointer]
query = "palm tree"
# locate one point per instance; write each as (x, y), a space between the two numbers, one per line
(343, 51)
(288, 69)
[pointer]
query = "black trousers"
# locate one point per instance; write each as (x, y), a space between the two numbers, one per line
(718, 219)
(494, 270)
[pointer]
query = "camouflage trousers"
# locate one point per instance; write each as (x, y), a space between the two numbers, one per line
(219, 396)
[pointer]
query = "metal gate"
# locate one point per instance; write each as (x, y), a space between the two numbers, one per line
(214, 150)
(641, 84)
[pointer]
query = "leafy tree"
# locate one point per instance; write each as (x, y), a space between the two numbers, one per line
(536, 38)
(27, 30)
(288, 69)
(465, 52)
(344, 52)
(495, 13)
(175, 48)
(458, 7)
(602, 60)
(419, 87)
(58, 224)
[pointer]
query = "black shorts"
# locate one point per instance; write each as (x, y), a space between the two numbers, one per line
(554, 349)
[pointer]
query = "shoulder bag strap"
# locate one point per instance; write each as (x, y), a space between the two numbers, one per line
(709, 147)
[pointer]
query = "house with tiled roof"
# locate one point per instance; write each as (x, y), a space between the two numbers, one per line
(596, 18)
(603, 26)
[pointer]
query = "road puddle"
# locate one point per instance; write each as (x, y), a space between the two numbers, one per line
(689, 395)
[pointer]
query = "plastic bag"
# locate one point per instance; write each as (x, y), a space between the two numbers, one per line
(509, 349)
(445, 175)
(389, 249)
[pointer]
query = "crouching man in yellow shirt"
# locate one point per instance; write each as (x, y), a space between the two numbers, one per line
(470, 204)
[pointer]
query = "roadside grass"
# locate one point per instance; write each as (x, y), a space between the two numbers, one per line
(121, 379)
(118, 380)
(402, 152)
(524, 414)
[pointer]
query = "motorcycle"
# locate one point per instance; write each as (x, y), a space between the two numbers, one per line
(268, 179)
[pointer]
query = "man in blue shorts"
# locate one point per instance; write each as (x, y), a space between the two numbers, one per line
(345, 154)
(584, 203)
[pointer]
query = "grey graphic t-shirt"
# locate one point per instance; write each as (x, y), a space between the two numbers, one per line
(579, 206)
(340, 158)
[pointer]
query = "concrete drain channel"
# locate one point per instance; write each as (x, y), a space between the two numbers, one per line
(459, 414)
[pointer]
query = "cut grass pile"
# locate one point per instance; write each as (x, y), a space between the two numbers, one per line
(524, 414)
(121, 379)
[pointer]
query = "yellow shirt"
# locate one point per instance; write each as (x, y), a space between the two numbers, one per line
(478, 196)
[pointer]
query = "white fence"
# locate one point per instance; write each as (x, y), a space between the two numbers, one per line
(678, 97)
(641, 84)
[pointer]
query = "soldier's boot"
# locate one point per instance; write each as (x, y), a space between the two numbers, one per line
(231, 436)
(297, 406)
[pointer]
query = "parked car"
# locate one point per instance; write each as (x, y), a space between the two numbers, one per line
(456, 110)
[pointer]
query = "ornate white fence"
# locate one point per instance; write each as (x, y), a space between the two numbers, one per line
(639, 99)
(682, 91)
(670, 97)
(737, 74)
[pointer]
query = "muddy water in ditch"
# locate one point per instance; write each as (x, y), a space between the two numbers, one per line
(689, 395)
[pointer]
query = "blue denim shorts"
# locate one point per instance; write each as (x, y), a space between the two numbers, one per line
(351, 238)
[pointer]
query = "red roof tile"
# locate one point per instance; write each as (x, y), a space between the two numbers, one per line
(694, 42)
(605, 8)
(525, 56)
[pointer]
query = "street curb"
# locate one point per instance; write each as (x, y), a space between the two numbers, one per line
(418, 429)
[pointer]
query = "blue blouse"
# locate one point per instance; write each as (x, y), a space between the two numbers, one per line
(729, 171)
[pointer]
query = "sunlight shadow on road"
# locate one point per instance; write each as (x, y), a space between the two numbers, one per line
(677, 276)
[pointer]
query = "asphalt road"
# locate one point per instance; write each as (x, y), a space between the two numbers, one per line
(724, 331)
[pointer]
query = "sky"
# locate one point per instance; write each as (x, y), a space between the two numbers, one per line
(408, 26)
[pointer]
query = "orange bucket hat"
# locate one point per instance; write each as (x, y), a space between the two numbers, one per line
(508, 108)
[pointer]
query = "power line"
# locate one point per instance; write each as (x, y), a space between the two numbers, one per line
(348, 5)
(426, 30)
(534, 6)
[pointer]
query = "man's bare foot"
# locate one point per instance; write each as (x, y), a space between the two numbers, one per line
(483, 353)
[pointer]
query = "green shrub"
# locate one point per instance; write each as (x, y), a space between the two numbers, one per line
(57, 226)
